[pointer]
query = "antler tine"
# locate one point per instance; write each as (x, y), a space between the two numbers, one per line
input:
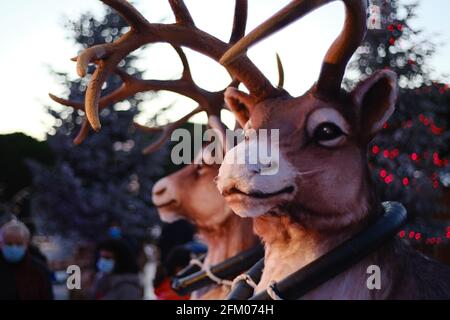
(280, 72)
(83, 133)
(187, 75)
(166, 130)
(181, 13)
(66, 102)
(133, 17)
(338, 55)
(104, 69)
(240, 20)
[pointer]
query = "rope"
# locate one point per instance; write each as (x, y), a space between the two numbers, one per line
(212, 276)
(272, 291)
(244, 277)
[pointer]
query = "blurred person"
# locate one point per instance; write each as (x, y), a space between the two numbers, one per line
(22, 277)
(174, 234)
(84, 257)
(34, 249)
(177, 259)
(117, 231)
(117, 277)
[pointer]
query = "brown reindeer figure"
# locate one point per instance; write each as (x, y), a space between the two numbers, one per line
(189, 193)
(320, 193)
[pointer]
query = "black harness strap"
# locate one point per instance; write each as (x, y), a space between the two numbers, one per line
(228, 269)
(241, 289)
(342, 257)
(191, 268)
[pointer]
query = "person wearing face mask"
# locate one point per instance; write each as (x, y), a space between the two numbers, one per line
(22, 277)
(116, 232)
(117, 277)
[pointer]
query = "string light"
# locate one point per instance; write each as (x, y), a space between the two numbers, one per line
(389, 179)
(405, 181)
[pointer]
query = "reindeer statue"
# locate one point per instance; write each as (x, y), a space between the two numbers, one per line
(321, 194)
(191, 192)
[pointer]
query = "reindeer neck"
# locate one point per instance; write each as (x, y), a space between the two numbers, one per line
(281, 234)
(232, 236)
(290, 246)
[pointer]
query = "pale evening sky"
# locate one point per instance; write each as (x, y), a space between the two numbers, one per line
(33, 38)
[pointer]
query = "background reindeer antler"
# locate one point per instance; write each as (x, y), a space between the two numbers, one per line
(208, 101)
(182, 33)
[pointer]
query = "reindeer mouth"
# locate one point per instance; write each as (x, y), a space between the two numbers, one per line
(258, 194)
(166, 204)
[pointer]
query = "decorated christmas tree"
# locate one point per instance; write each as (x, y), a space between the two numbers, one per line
(409, 159)
(106, 177)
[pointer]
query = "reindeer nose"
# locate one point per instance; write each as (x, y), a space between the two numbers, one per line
(160, 187)
(159, 191)
(258, 168)
(255, 170)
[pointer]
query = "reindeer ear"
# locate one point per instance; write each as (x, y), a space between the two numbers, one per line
(240, 103)
(375, 97)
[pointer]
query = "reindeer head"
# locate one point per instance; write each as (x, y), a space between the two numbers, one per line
(321, 176)
(191, 193)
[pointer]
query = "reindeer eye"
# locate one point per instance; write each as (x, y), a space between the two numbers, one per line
(327, 131)
(327, 127)
(328, 134)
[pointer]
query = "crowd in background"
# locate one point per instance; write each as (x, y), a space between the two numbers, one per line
(115, 271)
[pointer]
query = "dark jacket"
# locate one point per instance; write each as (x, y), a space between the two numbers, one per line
(118, 287)
(27, 280)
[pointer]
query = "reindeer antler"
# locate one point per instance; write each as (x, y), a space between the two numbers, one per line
(280, 72)
(338, 54)
(209, 101)
(182, 33)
